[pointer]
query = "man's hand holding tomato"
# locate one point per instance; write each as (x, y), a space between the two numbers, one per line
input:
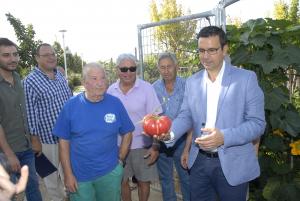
(155, 125)
(163, 137)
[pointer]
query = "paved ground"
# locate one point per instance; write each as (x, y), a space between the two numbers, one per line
(155, 195)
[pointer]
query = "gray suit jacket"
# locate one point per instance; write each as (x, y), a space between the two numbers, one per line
(240, 117)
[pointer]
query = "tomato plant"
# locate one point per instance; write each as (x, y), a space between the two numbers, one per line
(156, 125)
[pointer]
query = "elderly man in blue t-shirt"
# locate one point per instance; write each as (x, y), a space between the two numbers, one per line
(88, 129)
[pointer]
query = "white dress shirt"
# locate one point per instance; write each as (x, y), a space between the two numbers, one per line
(213, 90)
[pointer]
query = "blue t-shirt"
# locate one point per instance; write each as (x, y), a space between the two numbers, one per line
(92, 129)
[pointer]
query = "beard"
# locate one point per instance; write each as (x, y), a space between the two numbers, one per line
(9, 67)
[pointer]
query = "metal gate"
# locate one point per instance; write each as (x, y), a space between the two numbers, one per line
(151, 40)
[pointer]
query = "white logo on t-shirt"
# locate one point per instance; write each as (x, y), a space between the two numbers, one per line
(110, 118)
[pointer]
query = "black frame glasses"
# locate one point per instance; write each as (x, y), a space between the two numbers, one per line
(125, 69)
(210, 51)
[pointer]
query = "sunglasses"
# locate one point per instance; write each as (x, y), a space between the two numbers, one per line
(125, 69)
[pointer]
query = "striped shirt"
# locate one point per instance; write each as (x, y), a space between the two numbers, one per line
(45, 98)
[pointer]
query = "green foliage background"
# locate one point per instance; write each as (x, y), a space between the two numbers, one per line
(269, 47)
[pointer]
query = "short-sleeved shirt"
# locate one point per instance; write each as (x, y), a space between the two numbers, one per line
(13, 114)
(171, 103)
(139, 101)
(92, 128)
(44, 99)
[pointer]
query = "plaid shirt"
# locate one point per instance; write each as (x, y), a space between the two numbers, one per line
(44, 100)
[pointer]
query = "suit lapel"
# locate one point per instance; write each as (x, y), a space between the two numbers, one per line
(199, 103)
(203, 98)
(226, 81)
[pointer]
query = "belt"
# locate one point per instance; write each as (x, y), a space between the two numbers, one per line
(209, 154)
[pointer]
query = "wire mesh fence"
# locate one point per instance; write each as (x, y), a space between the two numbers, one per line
(177, 37)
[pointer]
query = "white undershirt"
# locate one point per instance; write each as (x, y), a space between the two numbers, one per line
(213, 90)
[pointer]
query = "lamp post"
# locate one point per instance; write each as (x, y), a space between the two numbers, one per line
(81, 60)
(65, 53)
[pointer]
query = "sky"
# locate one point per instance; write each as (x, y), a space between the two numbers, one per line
(100, 30)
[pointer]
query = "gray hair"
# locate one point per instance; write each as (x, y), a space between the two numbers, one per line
(165, 55)
(88, 66)
(126, 56)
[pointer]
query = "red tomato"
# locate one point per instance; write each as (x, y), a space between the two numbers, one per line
(156, 125)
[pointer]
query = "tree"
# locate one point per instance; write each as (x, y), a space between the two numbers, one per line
(173, 37)
(176, 37)
(27, 47)
(280, 10)
(27, 44)
(237, 21)
(74, 63)
(111, 70)
(293, 12)
(59, 52)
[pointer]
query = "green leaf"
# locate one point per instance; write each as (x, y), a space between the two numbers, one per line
(274, 41)
(290, 192)
(280, 58)
(271, 188)
(245, 38)
(292, 123)
(259, 57)
(293, 28)
(275, 98)
(281, 169)
(297, 180)
(287, 119)
(269, 66)
(293, 53)
(275, 143)
(241, 56)
(259, 40)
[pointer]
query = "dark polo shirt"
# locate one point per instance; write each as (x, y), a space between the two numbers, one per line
(13, 114)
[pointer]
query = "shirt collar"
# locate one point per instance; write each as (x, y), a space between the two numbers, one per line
(13, 74)
(162, 83)
(38, 69)
(136, 84)
(219, 77)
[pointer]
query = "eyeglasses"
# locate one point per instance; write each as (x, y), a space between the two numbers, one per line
(210, 51)
(47, 55)
(125, 69)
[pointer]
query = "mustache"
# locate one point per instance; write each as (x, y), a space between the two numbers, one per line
(15, 63)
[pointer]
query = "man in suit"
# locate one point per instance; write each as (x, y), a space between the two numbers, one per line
(225, 106)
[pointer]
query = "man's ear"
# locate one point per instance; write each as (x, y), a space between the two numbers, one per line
(225, 49)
